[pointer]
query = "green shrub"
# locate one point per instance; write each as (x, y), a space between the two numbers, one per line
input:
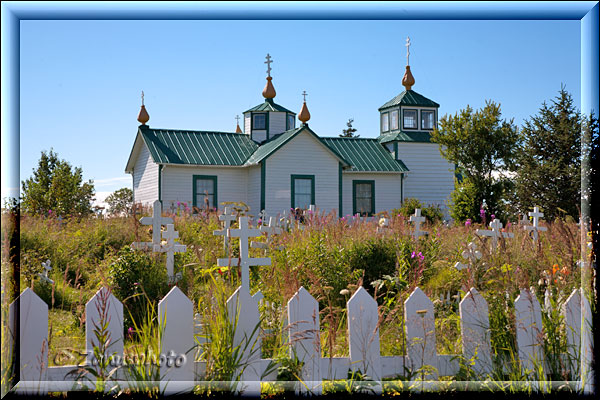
(375, 256)
(432, 213)
(134, 273)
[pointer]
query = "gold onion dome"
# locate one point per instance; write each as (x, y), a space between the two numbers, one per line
(408, 79)
(269, 90)
(143, 116)
(304, 115)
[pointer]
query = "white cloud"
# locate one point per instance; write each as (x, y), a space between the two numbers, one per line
(118, 180)
(101, 199)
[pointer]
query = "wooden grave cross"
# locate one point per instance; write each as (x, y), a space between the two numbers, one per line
(271, 229)
(170, 248)
(44, 276)
(495, 233)
(471, 254)
(157, 221)
(244, 262)
(262, 216)
(535, 228)
(227, 217)
(384, 225)
(417, 219)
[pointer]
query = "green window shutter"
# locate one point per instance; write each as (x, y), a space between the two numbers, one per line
(302, 191)
(363, 197)
(340, 212)
(263, 183)
(204, 186)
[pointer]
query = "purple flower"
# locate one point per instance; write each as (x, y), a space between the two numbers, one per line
(49, 211)
(130, 332)
(493, 216)
(482, 213)
(259, 221)
(468, 222)
(508, 225)
(421, 256)
(178, 204)
(343, 218)
(413, 255)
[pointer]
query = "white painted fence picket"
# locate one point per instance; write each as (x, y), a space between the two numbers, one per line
(179, 373)
(104, 305)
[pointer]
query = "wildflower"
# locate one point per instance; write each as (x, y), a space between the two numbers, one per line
(130, 332)
(412, 255)
(482, 213)
(343, 218)
(554, 269)
(421, 256)
(564, 270)
(344, 292)
(178, 204)
(49, 212)
(468, 222)
(219, 271)
(493, 216)
(508, 224)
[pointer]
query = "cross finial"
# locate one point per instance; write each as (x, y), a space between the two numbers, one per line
(304, 95)
(268, 62)
(407, 49)
(237, 118)
(142, 97)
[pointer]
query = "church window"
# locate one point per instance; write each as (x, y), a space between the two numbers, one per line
(291, 122)
(385, 121)
(427, 119)
(410, 119)
(259, 121)
(303, 191)
(205, 187)
(394, 119)
(363, 197)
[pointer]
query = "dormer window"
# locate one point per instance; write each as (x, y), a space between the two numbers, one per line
(291, 122)
(259, 121)
(394, 120)
(410, 119)
(385, 122)
(427, 119)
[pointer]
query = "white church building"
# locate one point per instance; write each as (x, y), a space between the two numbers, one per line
(276, 163)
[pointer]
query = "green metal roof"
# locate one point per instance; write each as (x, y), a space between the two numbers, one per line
(404, 136)
(409, 98)
(269, 105)
(272, 145)
(365, 155)
(169, 146)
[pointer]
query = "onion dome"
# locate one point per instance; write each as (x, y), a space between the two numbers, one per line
(143, 116)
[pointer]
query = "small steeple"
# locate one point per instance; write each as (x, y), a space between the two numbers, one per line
(269, 90)
(408, 80)
(143, 116)
(304, 115)
(238, 129)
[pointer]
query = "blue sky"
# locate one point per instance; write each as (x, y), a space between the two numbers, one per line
(81, 80)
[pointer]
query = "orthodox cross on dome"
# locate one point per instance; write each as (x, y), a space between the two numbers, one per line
(170, 247)
(471, 254)
(142, 97)
(535, 228)
(268, 62)
(417, 219)
(237, 118)
(227, 217)
(304, 94)
(495, 233)
(244, 261)
(157, 221)
(407, 49)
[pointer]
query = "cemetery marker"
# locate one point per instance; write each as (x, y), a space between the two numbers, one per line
(417, 219)
(495, 233)
(535, 228)
(170, 248)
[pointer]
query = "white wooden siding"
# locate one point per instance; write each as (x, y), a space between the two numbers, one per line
(145, 177)
(177, 184)
(259, 136)
(254, 189)
(247, 123)
(303, 155)
(387, 190)
(276, 123)
(431, 177)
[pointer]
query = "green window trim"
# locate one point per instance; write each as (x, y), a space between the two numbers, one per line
(340, 212)
(289, 126)
(404, 110)
(252, 127)
(263, 183)
(421, 119)
(160, 167)
(293, 188)
(385, 116)
(215, 195)
(358, 182)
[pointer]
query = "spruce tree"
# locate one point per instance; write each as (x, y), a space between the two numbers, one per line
(548, 172)
(349, 131)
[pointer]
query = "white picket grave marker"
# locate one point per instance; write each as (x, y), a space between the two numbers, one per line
(33, 341)
(242, 309)
(104, 307)
(170, 248)
(263, 216)
(495, 233)
(157, 221)
(227, 217)
(420, 333)
(176, 316)
(270, 229)
(47, 268)
(471, 254)
(475, 331)
(547, 301)
(417, 219)
(363, 334)
(244, 261)
(586, 383)
(530, 340)
(303, 327)
(572, 313)
(535, 228)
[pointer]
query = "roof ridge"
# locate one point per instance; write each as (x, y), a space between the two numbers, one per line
(194, 131)
(346, 138)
